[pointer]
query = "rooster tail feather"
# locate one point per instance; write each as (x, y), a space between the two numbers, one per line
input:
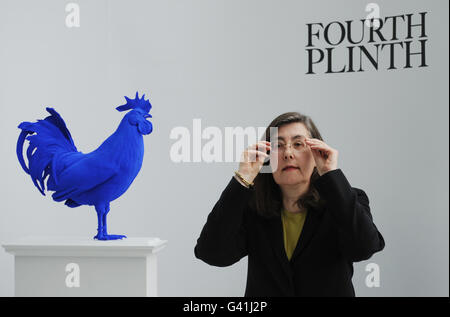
(19, 149)
(56, 119)
(47, 138)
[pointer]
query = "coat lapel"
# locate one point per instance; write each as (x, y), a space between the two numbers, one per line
(274, 229)
(309, 228)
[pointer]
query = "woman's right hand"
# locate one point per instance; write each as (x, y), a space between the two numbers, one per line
(252, 160)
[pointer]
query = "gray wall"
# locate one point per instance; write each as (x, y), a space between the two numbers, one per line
(230, 63)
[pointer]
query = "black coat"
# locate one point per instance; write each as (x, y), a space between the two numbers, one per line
(322, 263)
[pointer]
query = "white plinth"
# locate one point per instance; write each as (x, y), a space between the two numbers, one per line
(53, 266)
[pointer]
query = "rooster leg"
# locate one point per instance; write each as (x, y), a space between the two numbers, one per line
(100, 211)
(105, 231)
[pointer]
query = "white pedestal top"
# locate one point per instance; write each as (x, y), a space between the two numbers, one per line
(83, 246)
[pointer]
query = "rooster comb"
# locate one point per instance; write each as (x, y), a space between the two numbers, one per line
(136, 103)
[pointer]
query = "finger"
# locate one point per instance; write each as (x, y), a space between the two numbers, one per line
(318, 142)
(322, 145)
(320, 148)
(317, 151)
(254, 155)
(251, 154)
(257, 153)
(261, 145)
(315, 141)
(317, 156)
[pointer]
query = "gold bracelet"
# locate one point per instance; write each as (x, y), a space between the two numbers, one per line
(248, 184)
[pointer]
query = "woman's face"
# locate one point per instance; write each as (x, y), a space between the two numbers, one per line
(295, 161)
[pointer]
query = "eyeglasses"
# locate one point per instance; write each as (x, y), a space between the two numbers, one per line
(280, 146)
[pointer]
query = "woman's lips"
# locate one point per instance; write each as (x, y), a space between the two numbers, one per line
(290, 168)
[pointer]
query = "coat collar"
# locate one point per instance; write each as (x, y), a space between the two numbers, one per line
(274, 228)
(309, 228)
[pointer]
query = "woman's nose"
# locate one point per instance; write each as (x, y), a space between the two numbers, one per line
(288, 153)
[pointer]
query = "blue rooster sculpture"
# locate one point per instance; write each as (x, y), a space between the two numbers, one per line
(95, 178)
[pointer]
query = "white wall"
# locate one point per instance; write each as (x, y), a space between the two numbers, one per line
(229, 63)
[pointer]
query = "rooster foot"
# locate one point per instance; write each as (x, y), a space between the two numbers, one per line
(109, 237)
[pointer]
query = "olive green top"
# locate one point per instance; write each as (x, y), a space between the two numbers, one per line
(292, 228)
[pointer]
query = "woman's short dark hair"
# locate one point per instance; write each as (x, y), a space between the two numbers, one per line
(267, 199)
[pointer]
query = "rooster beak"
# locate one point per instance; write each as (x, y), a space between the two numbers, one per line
(148, 116)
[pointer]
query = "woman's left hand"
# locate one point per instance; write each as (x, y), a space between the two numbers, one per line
(325, 156)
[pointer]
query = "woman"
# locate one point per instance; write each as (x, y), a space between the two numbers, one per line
(302, 226)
